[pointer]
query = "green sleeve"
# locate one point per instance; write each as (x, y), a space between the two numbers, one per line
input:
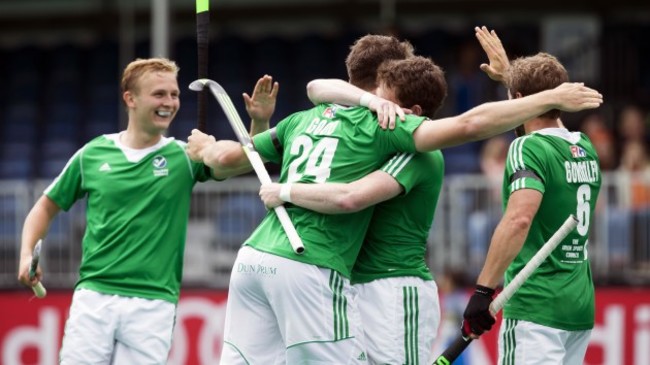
(67, 188)
(263, 143)
(201, 172)
(401, 138)
(525, 157)
(410, 170)
(270, 144)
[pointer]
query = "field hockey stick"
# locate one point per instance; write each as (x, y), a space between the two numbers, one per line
(202, 42)
(460, 344)
(254, 157)
(39, 289)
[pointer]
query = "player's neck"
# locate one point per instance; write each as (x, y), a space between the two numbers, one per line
(542, 123)
(138, 139)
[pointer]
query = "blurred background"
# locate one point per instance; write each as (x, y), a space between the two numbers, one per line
(61, 60)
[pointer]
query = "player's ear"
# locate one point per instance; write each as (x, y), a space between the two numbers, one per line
(416, 109)
(128, 99)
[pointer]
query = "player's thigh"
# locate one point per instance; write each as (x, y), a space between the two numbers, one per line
(576, 347)
(400, 317)
(527, 343)
(145, 330)
(89, 330)
(251, 331)
(317, 313)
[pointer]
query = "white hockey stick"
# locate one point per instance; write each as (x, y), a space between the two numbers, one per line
(39, 289)
(255, 159)
(460, 344)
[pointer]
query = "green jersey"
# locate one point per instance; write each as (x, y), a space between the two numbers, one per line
(328, 143)
(395, 244)
(136, 214)
(565, 168)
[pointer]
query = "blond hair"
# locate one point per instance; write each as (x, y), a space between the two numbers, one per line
(136, 69)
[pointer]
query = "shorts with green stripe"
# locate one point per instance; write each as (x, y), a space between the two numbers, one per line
(527, 343)
(281, 310)
(400, 317)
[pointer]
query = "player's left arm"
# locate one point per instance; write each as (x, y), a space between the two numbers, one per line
(341, 92)
(490, 119)
(334, 198)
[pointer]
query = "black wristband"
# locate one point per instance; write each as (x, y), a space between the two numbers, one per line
(484, 290)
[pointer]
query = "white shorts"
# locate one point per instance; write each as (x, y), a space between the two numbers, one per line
(283, 311)
(112, 329)
(400, 318)
(527, 343)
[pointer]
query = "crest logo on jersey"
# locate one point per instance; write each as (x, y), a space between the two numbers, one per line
(159, 166)
(577, 151)
(330, 112)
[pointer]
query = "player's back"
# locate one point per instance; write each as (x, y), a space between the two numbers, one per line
(395, 243)
(568, 174)
(328, 143)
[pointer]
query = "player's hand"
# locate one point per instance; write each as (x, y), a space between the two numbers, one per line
(197, 144)
(261, 105)
(575, 96)
(23, 272)
(270, 195)
(477, 317)
(387, 111)
(495, 52)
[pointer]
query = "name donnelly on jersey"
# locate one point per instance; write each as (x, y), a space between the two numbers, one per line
(581, 171)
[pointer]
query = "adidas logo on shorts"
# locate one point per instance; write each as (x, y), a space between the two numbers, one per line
(362, 357)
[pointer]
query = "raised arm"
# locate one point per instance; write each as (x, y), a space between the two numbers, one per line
(261, 105)
(490, 119)
(341, 92)
(334, 198)
(227, 158)
(493, 48)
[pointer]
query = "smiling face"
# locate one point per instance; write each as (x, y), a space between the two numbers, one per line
(153, 102)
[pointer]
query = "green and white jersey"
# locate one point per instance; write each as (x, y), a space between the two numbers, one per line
(560, 293)
(137, 207)
(328, 143)
(395, 244)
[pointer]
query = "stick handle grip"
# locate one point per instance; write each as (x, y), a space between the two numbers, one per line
(569, 225)
(453, 351)
(39, 290)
